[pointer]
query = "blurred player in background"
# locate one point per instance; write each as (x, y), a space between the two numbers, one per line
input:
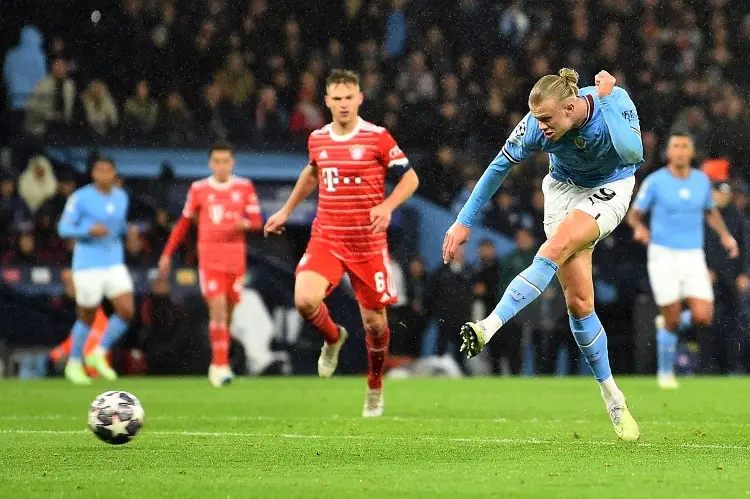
(96, 217)
(225, 207)
(593, 139)
(678, 198)
(349, 160)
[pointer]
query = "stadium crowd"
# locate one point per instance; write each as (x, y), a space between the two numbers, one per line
(448, 82)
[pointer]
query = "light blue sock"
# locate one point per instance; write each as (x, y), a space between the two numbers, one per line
(80, 334)
(666, 351)
(686, 320)
(592, 340)
(525, 288)
(116, 327)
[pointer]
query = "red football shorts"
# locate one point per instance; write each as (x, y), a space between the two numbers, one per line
(371, 279)
(217, 283)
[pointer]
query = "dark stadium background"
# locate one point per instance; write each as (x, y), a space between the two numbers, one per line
(449, 79)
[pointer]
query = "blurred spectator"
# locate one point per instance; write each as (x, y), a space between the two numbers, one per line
(307, 115)
(55, 205)
(486, 278)
(723, 351)
(440, 178)
(13, 211)
(37, 183)
(141, 111)
(135, 253)
(100, 109)
(505, 216)
(177, 121)
(215, 115)
(25, 252)
(449, 302)
(159, 233)
(417, 83)
(416, 316)
(269, 122)
(51, 102)
(25, 65)
(394, 40)
(236, 82)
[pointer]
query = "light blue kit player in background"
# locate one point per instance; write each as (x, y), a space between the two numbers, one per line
(679, 199)
(593, 139)
(96, 218)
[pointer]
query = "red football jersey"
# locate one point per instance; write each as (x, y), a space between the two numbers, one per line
(219, 208)
(351, 181)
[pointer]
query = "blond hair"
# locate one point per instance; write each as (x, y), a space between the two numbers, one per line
(561, 86)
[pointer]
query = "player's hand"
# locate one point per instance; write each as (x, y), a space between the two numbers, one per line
(457, 235)
(275, 224)
(604, 82)
(641, 234)
(98, 230)
(380, 218)
(731, 245)
(165, 264)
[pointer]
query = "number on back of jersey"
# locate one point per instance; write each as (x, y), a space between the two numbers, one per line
(516, 136)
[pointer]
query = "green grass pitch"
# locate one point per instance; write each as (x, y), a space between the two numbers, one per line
(303, 437)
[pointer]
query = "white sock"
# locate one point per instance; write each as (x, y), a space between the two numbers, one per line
(490, 325)
(610, 391)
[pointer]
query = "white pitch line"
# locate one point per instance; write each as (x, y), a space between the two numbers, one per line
(380, 438)
(405, 419)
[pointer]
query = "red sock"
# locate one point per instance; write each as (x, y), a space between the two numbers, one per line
(219, 336)
(321, 319)
(377, 350)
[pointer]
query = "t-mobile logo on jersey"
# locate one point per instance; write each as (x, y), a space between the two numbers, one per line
(330, 178)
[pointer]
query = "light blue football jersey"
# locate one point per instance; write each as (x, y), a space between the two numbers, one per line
(606, 147)
(88, 206)
(677, 206)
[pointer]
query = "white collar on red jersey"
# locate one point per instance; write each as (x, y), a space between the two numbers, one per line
(220, 186)
(344, 138)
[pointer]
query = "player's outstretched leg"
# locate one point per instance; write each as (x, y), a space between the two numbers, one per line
(377, 340)
(74, 371)
(97, 359)
(525, 288)
(592, 341)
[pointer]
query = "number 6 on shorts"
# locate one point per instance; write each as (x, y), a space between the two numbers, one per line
(379, 282)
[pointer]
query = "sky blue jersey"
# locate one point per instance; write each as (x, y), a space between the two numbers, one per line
(607, 147)
(88, 206)
(677, 207)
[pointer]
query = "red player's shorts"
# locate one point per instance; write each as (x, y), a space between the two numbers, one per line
(371, 279)
(218, 282)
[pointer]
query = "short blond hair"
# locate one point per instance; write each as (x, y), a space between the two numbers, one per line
(561, 86)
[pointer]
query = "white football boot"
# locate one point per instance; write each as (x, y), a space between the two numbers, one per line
(220, 375)
(329, 355)
(373, 404)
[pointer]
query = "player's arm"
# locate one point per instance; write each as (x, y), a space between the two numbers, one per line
(72, 225)
(397, 167)
(716, 222)
(306, 185)
(641, 206)
(622, 119)
(179, 231)
(252, 219)
(524, 140)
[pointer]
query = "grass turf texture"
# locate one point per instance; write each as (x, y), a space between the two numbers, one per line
(303, 437)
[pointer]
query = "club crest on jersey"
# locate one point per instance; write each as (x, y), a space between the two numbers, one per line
(211, 198)
(684, 193)
(236, 197)
(323, 155)
(358, 152)
(580, 143)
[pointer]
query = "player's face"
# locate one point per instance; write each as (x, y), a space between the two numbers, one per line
(680, 151)
(221, 163)
(343, 99)
(555, 117)
(104, 174)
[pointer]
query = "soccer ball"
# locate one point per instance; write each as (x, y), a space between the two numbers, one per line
(116, 417)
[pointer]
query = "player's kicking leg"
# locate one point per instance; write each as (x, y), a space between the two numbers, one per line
(377, 340)
(309, 292)
(578, 285)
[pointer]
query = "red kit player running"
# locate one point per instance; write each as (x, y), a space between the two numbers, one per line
(225, 207)
(349, 159)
